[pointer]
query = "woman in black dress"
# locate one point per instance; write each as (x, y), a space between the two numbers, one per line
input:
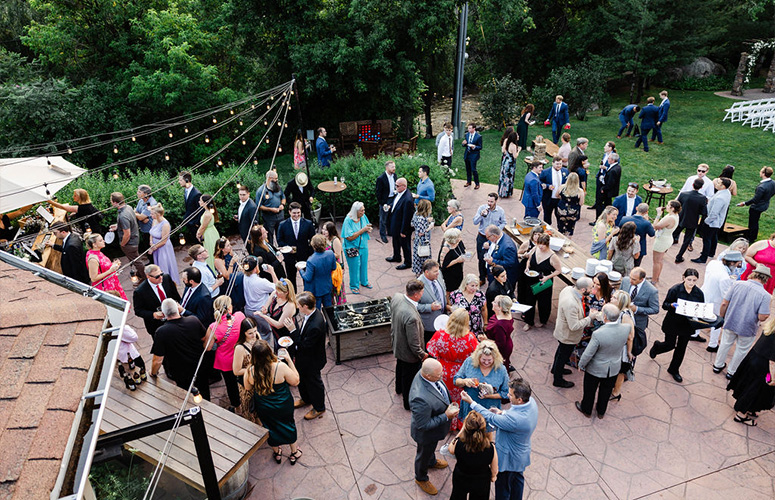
(86, 214)
(281, 305)
(499, 286)
(676, 327)
(543, 265)
(259, 246)
(523, 253)
(477, 460)
(751, 388)
(524, 122)
(451, 259)
(569, 206)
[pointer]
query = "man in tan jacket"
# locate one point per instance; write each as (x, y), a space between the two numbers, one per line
(406, 331)
(569, 327)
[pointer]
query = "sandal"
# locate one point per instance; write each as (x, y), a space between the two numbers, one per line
(746, 421)
(278, 455)
(355, 291)
(293, 457)
(367, 285)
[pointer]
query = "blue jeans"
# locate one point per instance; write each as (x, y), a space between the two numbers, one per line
(359, 269)
(509, 485)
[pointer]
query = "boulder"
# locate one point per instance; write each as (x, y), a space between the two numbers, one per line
(702, 67)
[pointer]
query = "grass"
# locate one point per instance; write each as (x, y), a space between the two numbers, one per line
(694, 134)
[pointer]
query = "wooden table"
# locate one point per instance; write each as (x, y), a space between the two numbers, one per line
(660, 193)
(333, 190)
(233, 439)
(578, 258)
(50, 258)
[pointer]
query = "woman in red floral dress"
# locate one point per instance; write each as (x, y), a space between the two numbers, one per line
(451, 346)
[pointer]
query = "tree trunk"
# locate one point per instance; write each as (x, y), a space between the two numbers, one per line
(407, 125)
(428, 102)
(769, 83)
(737, 85)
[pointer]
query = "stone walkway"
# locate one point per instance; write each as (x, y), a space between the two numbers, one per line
(662, 440)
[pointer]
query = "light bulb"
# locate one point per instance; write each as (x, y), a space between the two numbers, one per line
(286, 125)
(215, 120)
(182, 239)
(220, 162)
(207, 139)
(185, 129)
(252, 106)
(266, 122)
(197, 396)
(115, 175)
(134, 139)
(240, 122)
(279, 149)
(292, 92)
(279, 124)
(271, 97)
(268, 107)
(231, 111)
(115, 149)
(244, 142)
(166, 156)
(255, 161)
(69, 150)
(267, 140)
(133, 276)
(289, 106)
(284, 94)
(169, 133)
(212, 210)
(239, 186)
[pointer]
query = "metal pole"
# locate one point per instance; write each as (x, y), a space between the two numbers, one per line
(206, 465)
(460, 57)
(295, 88)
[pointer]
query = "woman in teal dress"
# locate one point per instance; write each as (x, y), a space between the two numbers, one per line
(207, 233)
(484, 367)
(269, 381)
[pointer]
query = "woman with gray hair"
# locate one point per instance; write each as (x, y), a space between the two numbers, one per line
(455, 219)
(451, 258)
(500, 327)
(470, 298)
(355, 232)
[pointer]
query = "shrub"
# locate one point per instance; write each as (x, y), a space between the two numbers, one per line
(501, 101)
(711, 83)
(582, 86)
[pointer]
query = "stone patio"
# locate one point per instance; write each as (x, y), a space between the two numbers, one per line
(662, 440)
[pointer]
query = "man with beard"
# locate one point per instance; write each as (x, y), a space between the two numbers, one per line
(569, 327)
(271, 202)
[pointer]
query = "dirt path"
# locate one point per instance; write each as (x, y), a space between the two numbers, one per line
(442, 112)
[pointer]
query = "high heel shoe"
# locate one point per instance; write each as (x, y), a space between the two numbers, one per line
(618, 397)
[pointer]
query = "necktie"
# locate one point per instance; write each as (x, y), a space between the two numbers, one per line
(633, 293)
(437, 291)
(186, 297)
(296, 229)
(450, 145)
(442, 390)
(161, 292)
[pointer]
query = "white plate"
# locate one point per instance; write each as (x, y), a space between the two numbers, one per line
(285, 342)
(531, 274)
(109, 237)
(286, 249)
(440, 322)
(565, 270)
(301, 265)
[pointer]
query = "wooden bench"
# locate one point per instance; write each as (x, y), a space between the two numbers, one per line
(232, 439)
(731, 231)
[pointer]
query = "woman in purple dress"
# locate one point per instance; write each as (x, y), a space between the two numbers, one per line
(161, 246)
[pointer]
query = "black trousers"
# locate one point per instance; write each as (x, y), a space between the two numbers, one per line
(561, 356)
(688, 238)
(402, 244)
(591, 385)
(145, 242)
(709, 241)
(676, 343)
(753, 224)
(470, 489)
(480, 253)
(311, 388)
(549, 209)
(290, 269)
(600, 205)
(542, 301)
(202, 382)
(232, 387)
(446, 160)
(405, 373)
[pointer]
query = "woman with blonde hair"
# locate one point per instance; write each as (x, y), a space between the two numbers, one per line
(484, 378)
(422, 222)
(207, 233)
(569, 206)
(500, 327)
(739, 245)
(469, 297)
(161, 246)
(664, 224)
(451, 346)
(281, 305)
(621, 299)
(223, 333)
(605, 229)
(477, 460)
(90, 219)
(753, 384)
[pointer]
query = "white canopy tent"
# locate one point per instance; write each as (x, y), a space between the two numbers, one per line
(22, 179)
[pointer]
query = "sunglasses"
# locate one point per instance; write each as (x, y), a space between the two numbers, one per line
(701, 170)
(633, 185)
(157, 276)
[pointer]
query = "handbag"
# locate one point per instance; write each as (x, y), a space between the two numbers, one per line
(424, 251)
(352, 252)
(539, 287)
(639, 341)
(224, 339)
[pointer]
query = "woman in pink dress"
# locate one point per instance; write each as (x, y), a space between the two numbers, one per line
(227, 329)
(761, 252)
(102, 271)
(452, 346)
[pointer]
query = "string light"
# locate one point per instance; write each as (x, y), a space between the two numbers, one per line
(133, 276)
(286, 125)
(255, 161)
(166, 156)
(271, 97)
(280, 149)
(252, 106)
(268, 107)
(215, 120)
(185, 129)
(231, 111)
(115, 149)
(182, 239)
(212, 209)
(266, 122)
(169, 133)
(207, 139)
(240, 122)
(69, 150)
(115, 174)
(220, 162)
(197, 396)
(239, 186)
(244, 142)
(134, 139)
(267, 140)
(292, 92)
(284, 94)
(279, 124)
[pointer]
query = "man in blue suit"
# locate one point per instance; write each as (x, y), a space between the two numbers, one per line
(472, 143)
(531, 195)
(196, 298)
(317, 273)
(551, 180)
(501, 252)
(643, 227)
(627, 203)
(559, 117)
(664, 107)
(325, 152)
(627, 118)
(649, 116)
(191, 197)
(295, 232)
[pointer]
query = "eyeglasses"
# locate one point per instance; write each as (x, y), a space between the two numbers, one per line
(701, 170)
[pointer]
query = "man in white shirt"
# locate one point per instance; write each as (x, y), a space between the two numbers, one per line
(719, 277)
(707, 188)
(445, 145)
(257, 292)
(209, 280)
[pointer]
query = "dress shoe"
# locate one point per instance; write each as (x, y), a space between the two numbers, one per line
(467, 184)
(566, 371)
(653, 352)
(402, 267)
(392, 259)
(660, 143)
(384, 239)
(716, 369)
(699, 260)
(563, 384)
(697, 338)
(313, 414)
(476, 187)
(678, 260)
(677, 377)
(440, 464)
(427, 487)
(729, 375)
(578, 407)
(712, 349)
(299, 403)
(690, 248)
(482, 282)
(618, 136)
(600, 415)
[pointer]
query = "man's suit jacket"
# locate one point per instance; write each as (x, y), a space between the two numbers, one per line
(317, 274)
(286, 237)
(643, 228)
(382, 189)
(649, 116)
(546, 178)
(427, 315)
(146, 302)
(559, 119)
(603, 356)
(246, 220)
(628, 112)
(473, 153)
(293, 193)
(401, 215)
(620, 202)
(664, 107)
(505, 255)
(406, 330)
(761, 196)
(200, 304)
(192, 205)
(73, 259)
(324, 152)
(429, 423)
(571, 321)
(574, 159)
(693, 206)
(647, 301)
(531, 196)
(310, 342)
(613, 177)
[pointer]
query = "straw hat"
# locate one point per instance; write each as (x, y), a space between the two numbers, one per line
(301, 179)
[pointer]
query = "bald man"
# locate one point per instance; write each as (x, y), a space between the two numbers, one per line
(270, 200)
(401, 224)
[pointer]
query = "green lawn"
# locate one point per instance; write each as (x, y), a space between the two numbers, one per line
(694, 134)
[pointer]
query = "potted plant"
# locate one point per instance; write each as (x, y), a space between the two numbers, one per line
(317, 208)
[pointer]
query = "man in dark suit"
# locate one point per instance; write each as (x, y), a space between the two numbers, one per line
(401, 214)
(664, 107)
(299, 190)
(501, 252)
(532, 193)
(610, 189)
(386, 192)
(649, 116)
(196, 298)
(149, 295)
(759, 203)
(431, 417)
(73, 259)
(693, 206)
(191, 197)
(644, 297)
(246, 213)
(627, 203)
(472, 143)
(551, 180)
(627, 119)
(309, 335)
(643, 227)
(559, 117)
(295, 231)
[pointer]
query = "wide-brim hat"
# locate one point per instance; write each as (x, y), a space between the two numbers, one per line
(763, 269)
(301, 179)
(733, 256)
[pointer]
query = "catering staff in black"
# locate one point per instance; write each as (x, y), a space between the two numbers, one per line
(759, 203)
(73, 258)
(386, 192)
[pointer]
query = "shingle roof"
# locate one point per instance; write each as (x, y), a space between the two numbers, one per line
(48, 337)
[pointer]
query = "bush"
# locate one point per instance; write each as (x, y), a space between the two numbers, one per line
(501, 101)
(710, 83)
(582, 86)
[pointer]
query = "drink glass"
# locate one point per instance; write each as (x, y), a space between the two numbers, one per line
(454, 405)
(476, 381)
(282, 353)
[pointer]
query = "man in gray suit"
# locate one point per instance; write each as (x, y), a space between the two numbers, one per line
(433, 302)
(601, 361)
(644, 297)
(406, 332)
(431, 416)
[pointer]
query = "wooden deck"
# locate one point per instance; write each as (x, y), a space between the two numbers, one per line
(232, 438)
